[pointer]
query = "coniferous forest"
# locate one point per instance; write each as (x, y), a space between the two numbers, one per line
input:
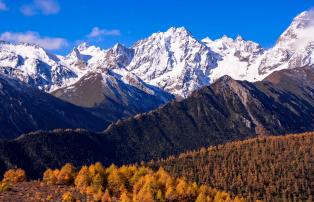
(265, 168)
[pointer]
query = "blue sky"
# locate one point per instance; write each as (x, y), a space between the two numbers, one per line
(58, 25)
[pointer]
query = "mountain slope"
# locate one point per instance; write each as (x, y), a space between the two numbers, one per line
(106, 87)
(37, 151)
(25, 109)
(299, 80)
(263, 168)
(225, 111)
(108, 95)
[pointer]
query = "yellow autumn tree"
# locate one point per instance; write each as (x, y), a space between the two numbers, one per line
(66, 175)
(50, 176)
(182, 189)
(132, 183)
(116, 182)
(171, 193)
(144, 195)
(202, 197)
(159, 196)
(14, 176)
(83, 179)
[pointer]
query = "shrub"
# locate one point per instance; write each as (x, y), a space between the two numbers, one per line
(66, 175)
(14, 176)
(50, 176)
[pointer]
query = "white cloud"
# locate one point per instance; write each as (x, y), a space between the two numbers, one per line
(46, 7)
(28, 10)
(48, 43)
(3, 6)
(97, 32)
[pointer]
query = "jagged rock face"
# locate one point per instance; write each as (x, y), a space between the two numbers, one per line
(25, 109)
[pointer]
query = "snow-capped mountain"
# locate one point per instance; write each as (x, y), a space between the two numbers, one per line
(33, 65)
(173, 61)
(293, 49)
(86, 60)
(236, 56)
(106, 86)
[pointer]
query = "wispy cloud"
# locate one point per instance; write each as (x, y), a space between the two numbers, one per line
(98, 32)
(46, 7)
(3, 6)
(49, 43)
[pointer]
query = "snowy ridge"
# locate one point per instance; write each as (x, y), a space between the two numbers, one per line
(173, 61)
(236, 56)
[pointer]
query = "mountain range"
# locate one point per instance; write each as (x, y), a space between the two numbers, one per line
(120, 82)
(164, 95)
(173, 61)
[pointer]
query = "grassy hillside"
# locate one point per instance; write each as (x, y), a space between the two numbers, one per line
(268, 168)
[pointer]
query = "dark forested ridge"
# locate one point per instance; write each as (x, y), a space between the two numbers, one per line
(35, 152)
(225, 111)
(268, 168)
(25, 109)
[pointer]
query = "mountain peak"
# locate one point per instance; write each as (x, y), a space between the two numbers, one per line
(304, 16)
(239, 38)
(178, 30)
(300, 32)
(119, 48)
(83, 46)
(207, 40)
(224, 79)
